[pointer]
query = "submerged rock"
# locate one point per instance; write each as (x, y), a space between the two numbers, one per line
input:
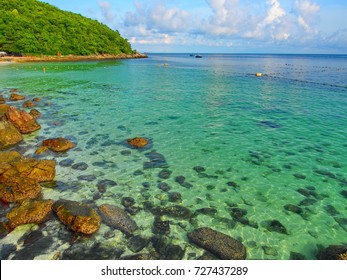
(80, 166)
(138, 142)
(269, 124)
(9, 135)
(28, 104)
(275, 226)
(16, 189)
(116, 217)
(156, 160)
(77, 216)
(218, 243)
(58, 144)
(23, 121)
(137, 243)
(29, 211)
(175, 211)
(333, 252)
(293, 208)
(16, 97)
(164, 174)
(35, 113)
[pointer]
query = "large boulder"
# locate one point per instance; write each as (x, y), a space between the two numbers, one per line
(138, 142)
(58, 144)
(29, 211)
(77, 216)
(3, 109)
(116, 217)
(9, 156)
(9, 135)
(38, 170)
(220, 244)
(16, 189)
(23, 121)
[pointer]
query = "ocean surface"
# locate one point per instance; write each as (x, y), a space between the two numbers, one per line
(262, 159)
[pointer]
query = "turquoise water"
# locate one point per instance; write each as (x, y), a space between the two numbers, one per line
(245, 144)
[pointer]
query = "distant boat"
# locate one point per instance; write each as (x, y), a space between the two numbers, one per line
(198, 56)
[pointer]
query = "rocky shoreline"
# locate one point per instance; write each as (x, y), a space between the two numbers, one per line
(67, 58)
(23, 180)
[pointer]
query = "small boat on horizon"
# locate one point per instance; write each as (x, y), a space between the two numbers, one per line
(198, 56)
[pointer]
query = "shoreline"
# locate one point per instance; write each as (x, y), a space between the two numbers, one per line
(68, 58)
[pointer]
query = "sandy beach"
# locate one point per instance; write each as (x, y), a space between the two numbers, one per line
(45, 58)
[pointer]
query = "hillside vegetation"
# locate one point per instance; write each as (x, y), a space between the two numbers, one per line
(34, 28)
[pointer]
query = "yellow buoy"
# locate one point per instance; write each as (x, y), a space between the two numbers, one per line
(258, 74)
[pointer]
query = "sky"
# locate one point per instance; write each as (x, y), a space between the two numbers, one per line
(222, 26)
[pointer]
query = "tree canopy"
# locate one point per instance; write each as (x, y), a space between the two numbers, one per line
(34, 28)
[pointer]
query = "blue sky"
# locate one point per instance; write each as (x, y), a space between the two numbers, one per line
(228, 26)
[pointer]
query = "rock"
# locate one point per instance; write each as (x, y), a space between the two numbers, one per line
(138, 142)
(175, 211)
(77, 216)
(333, 252)
(103, 184)
(3, 110)
(218, 243)
(6, 157)
(9, 135)
(66, 162)
(275, 226)
(37, 99)
(58, 144)
(16, 97)
(128, 201)
(270, 251)
(24, 122)
(29, 211)
(6, 250)
(165, 249)
(137, 243)
(199, 169)
(164, 186)
(238, 213)
(38, 170)
(80, 166)
(116, 217)
(2, 100)
(28, 104)
(16, 189)
(157, 160)
(206, 211)
(296, 256)
(164, 174)
(175, 197)
(35, 113)
(269, 124)
(180, 179)
(293, 208)
(41, 150)
(344, 193)
(161, 227)
(87, 178)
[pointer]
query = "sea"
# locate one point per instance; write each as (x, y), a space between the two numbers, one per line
(262, 159)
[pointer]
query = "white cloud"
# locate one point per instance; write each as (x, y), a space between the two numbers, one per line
(105, 8)
(222, 23)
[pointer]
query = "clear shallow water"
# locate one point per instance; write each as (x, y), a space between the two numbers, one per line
(263, 142)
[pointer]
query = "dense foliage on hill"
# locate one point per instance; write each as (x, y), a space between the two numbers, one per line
(33, 27)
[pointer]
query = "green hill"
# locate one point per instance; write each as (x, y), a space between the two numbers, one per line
(34, 28)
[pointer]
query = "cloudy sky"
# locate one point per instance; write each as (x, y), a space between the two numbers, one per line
(228, 26)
